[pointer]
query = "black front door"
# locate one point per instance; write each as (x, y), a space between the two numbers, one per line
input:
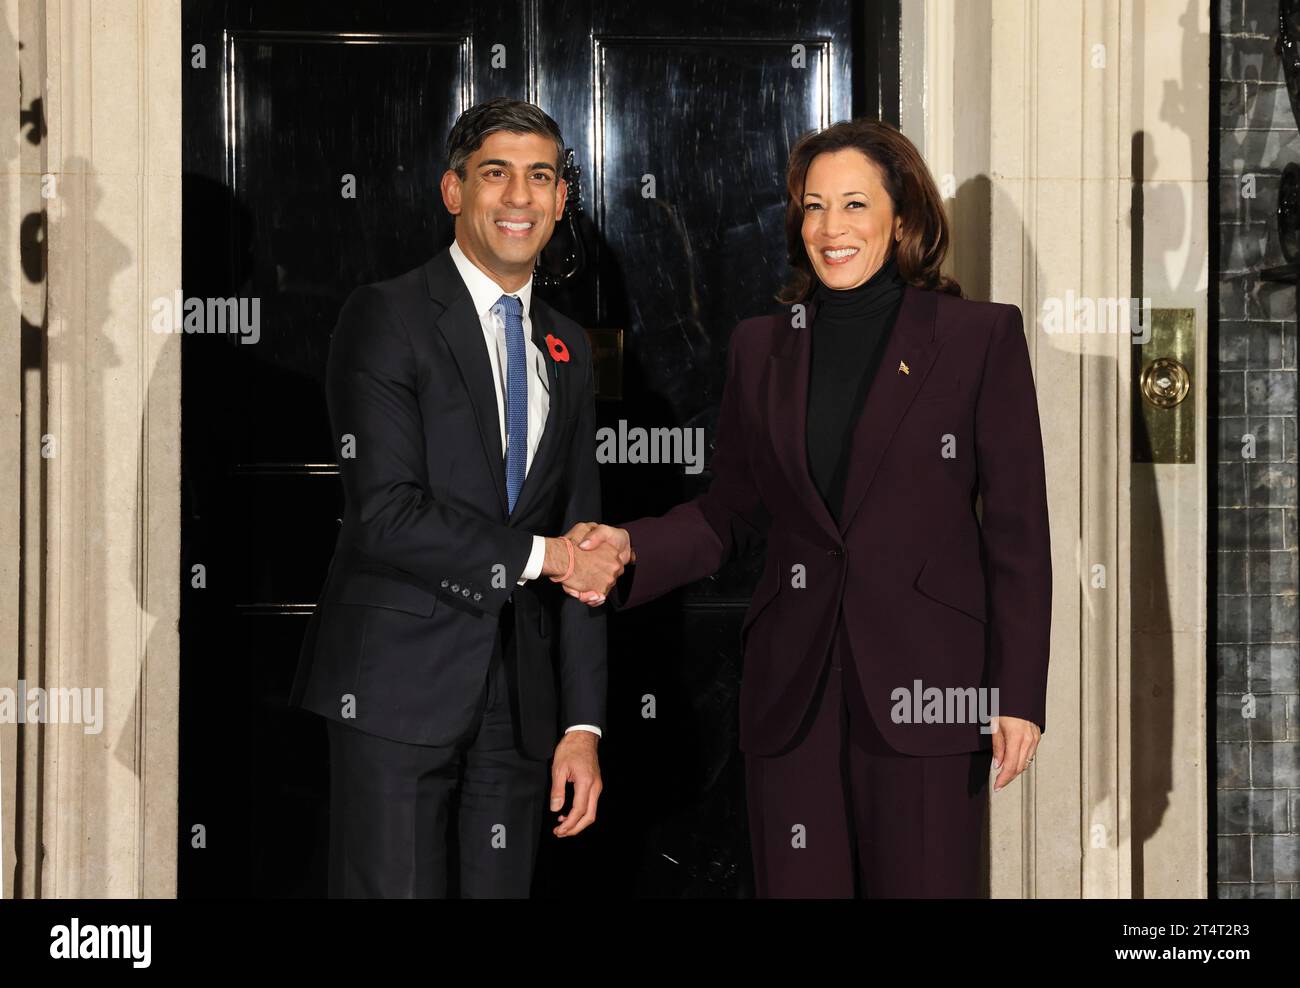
(314, 141)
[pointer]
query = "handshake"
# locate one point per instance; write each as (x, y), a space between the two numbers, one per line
(588, 560)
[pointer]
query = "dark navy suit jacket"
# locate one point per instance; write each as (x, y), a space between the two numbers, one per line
(428, 552)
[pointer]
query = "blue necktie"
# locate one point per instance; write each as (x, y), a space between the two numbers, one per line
(516, 397)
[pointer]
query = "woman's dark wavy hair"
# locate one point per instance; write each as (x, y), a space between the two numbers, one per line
(911, 189)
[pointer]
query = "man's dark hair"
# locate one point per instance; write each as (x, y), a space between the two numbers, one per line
(499, 113)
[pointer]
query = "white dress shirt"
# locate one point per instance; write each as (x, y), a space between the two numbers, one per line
(485, 294)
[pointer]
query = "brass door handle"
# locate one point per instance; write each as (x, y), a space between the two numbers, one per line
(1165, 382)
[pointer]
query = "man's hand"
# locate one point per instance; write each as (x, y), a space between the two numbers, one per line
(1014, 744)
(594, 571)
(591, 536)
(575, 761)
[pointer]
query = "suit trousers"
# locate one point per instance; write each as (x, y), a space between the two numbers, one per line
(841, 814)
(424, 821)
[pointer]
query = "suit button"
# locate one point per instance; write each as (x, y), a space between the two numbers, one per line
(465, 592)
(834, 552)
(478, 596)
(455, 588)
(445, 582)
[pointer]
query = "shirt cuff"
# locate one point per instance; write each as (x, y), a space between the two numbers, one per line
(535, 559)
(585, 727)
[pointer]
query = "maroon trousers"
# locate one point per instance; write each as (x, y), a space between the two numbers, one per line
(841, 814)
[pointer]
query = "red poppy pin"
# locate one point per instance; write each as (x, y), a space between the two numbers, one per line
(558, 350)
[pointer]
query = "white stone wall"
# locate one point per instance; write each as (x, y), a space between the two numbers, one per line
(89, 582)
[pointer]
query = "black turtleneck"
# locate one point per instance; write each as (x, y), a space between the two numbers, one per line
(849, 332)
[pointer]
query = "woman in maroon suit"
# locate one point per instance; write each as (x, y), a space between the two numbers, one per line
(893, 617)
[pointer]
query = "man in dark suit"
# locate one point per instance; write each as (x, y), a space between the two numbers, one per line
(464, 415)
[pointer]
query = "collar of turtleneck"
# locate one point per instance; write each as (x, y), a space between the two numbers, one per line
(875, 297)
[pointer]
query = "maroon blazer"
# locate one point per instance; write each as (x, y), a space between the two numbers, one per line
(929, 591)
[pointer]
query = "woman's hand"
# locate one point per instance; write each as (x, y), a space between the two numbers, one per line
(1014, 744)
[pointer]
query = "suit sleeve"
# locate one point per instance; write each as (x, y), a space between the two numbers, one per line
(694, 539)
(1013, 523)
(582, 670)
(372, 391)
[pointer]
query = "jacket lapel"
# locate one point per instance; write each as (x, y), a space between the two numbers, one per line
(460, 326)
(911, 341)
(787, 417)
